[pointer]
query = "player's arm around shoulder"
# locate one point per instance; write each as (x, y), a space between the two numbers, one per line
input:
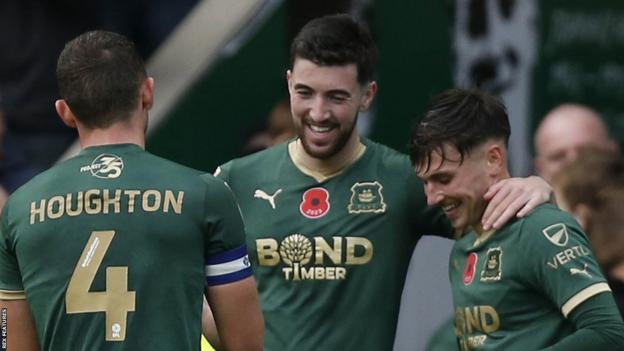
(565, 269)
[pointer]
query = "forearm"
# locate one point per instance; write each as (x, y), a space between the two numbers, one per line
(18, 326)
(209, 328)
(599, 327)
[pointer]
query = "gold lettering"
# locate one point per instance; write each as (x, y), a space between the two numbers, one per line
(330, 273)
(115, 201)
(319, 273)
(132, 194)
(472, 319)
(68, 204)
(322, 247)
(287, 271)
(267, 252)
(37, 211)
(156, 200)
(307, 273)
(56, 202)
(175, 202)
(341, 273)
(490, 322)
(352, 242)
(93, 202)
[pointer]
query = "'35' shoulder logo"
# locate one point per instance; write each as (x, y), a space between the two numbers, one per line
(105, 166)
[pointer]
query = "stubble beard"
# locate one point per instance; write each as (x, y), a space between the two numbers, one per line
(334, 148)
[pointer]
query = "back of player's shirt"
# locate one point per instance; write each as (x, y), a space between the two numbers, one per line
(109, 249)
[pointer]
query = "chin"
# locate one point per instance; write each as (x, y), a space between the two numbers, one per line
(320, 152)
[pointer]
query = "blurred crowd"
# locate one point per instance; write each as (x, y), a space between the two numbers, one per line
(32, 34)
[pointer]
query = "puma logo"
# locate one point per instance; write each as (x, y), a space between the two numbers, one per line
(583, 271)
(260, 194)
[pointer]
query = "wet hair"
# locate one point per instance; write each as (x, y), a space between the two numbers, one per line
(464, 118)
(99, 74)
(336, 40)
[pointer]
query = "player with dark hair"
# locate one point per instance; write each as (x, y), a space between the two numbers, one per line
(332, 218)
(113, 249)
(531, 285)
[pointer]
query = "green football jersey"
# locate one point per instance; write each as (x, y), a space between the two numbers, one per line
(514, 289)
(113, 250)
(331, 257)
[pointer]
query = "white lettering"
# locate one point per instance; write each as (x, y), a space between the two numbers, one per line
(567, 256)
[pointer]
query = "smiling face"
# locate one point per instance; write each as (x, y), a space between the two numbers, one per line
(458, 186)
(325, 102)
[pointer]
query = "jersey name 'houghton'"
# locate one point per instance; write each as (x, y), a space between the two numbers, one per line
(96, 201)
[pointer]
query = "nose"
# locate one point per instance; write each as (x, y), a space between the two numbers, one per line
(434, 196)
(318, 109)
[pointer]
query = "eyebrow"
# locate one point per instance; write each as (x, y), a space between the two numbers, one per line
(436, 176)
(329, 92)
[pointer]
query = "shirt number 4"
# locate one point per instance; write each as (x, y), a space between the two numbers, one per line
(116, 301)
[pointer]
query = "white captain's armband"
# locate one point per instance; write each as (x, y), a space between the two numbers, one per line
(227, 267)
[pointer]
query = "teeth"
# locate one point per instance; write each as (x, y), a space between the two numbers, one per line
(450, 207)
(319, 129)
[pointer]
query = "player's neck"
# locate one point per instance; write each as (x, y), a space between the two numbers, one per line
(322, 169)
(118, 133)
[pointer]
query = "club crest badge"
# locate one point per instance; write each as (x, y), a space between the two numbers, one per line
(471, 268)
(557, 234)
(315, 203)
(367, 197)
(492, 268)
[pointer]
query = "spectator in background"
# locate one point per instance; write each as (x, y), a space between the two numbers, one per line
(595, 199)
(278, 128)
(32, 34)
(562, 132)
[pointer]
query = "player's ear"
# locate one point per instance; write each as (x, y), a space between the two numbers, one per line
(289, 81)
(369, 95)
(147, 93)
(66, 114)
(496, 158)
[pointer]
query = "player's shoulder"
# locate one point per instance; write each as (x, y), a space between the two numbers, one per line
(386, 155)
(164, 164)
(261, 161)
(547, 214)
(548, 222)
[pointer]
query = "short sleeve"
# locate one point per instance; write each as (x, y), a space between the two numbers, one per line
(563, 265)
(11, 287)
(225, 250)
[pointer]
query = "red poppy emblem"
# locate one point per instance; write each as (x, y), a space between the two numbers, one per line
(471, 268)
(315, 203)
